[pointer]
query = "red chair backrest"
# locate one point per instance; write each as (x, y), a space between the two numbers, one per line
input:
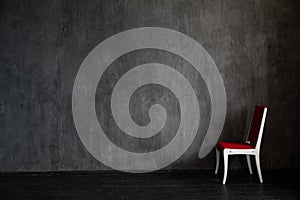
(255, 124)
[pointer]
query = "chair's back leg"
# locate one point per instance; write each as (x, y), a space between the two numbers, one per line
(258, 168)
(249, 163)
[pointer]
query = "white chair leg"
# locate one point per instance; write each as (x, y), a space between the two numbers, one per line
(225, 155)
(258, 168)
(217, 160)
(249, 163)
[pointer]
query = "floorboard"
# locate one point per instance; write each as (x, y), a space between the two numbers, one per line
(175, 185)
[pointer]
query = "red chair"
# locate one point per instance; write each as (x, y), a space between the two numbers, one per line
(250, 147)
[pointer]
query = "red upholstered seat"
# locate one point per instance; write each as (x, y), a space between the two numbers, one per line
(233, 145)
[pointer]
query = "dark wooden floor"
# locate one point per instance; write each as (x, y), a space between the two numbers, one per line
(179, 185)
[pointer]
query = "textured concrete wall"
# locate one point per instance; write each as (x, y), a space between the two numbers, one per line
(255, 45)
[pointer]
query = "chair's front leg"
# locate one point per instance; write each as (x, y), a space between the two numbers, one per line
(225, 155)
(217, 160)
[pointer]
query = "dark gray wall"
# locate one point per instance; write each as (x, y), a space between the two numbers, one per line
(255, 45)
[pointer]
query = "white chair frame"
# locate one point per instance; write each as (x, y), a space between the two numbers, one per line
(247, 152)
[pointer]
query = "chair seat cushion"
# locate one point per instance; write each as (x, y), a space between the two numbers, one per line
(233, 145)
